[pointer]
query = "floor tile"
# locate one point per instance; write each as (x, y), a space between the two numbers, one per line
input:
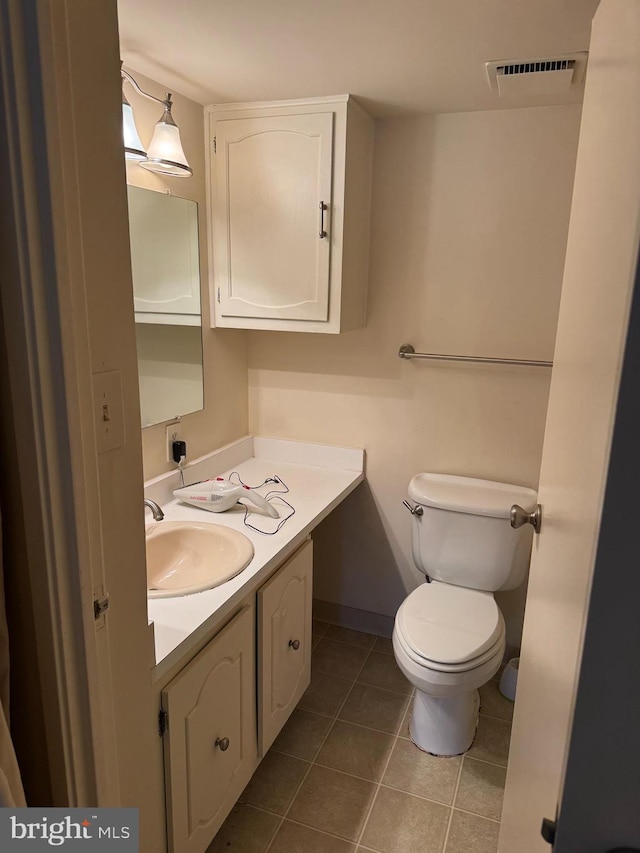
(373, 707)
(333, 802)
(294, 838)
(416, 772)
(493, 703)
(337, 658)
(492, 741)
(353, 749)
(347, 635)
(404, 727)
(382, 644)
(325, 694)
(246, 830)
(402, 822)
(275, 782)
(481, 788)
(381, 670)
(303, 734)
(318, 628)
(471, 834)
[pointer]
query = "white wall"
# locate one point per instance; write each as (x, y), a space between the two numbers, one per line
(224, 417)
(469, 225)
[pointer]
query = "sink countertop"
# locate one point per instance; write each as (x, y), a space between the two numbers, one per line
(319, 477)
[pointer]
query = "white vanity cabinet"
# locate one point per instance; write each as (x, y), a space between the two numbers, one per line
(289, 193)
(284, 643)
(225, 708)
(210, 746)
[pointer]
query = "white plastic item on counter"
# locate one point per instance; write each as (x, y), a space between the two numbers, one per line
(219, 495)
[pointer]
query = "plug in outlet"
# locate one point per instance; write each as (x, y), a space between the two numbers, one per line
(174, 433)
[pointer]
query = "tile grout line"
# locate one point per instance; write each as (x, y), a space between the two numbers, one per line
(358, 725)
(365, 683)
(455, 795)
(384, 770)
(312, 763)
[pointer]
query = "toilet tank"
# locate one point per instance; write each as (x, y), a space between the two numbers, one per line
(464, 536)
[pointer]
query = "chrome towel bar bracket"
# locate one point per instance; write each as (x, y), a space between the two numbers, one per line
(407, 351)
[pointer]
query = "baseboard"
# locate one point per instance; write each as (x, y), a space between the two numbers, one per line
(351, 617)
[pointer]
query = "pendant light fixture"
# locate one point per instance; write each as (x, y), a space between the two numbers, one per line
(165, 154)
(133, 147)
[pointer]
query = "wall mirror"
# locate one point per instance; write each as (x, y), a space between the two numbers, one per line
(165, 263)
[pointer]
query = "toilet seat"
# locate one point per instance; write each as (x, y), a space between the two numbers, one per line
(448, 628)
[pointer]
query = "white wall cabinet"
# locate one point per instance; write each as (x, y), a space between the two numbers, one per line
(284, 643)
(211, 747)
(289, 193)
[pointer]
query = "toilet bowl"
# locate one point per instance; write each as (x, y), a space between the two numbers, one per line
(449, 634)
(431, 625)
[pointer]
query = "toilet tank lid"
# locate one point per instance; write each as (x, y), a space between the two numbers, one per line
(466, 494)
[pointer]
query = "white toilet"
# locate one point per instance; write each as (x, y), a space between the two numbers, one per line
(449, 635)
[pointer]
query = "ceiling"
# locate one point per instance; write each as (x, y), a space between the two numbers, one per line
(398, 56)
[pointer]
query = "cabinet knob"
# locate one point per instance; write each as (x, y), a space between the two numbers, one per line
(223, 743)
(295, 644)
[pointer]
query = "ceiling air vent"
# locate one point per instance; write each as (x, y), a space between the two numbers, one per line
(556, 75)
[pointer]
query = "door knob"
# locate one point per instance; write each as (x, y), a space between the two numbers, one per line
(520, 516)
(223, 743)
(295, 644)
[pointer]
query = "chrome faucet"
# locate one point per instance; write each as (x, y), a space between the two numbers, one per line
(158, 515)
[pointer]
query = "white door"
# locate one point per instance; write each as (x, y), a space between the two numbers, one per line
(594, 317)
(272, 216)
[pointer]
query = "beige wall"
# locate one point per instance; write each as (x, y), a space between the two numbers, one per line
(469, 226)
(224, 417)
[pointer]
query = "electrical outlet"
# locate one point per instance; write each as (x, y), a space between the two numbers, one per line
(174, 433)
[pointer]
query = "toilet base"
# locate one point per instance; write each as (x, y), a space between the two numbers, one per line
(444, 726)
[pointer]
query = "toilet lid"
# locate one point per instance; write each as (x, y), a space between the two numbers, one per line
(449, 624)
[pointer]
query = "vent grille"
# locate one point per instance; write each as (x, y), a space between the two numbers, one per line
(536, 67)
(523, 79)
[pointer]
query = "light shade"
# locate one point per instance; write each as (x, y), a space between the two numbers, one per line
(165, 154)
(133, 147)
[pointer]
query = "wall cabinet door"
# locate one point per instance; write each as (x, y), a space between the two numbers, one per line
(289, 203)
(284, 631)
(274, 172)
(210, 748)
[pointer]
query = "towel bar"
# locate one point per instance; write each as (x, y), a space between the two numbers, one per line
(407, 351)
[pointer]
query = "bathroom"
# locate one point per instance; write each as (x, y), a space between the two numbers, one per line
(469, 218)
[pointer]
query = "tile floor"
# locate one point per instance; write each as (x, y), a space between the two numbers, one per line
(343, 775)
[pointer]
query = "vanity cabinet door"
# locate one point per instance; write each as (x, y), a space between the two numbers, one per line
(284, 630)
(210, 748)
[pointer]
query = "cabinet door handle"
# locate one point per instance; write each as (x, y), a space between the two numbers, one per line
(323, 207)
(295, 644)
(222, 743)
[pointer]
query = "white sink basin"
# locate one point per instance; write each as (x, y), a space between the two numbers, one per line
(185, 557)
